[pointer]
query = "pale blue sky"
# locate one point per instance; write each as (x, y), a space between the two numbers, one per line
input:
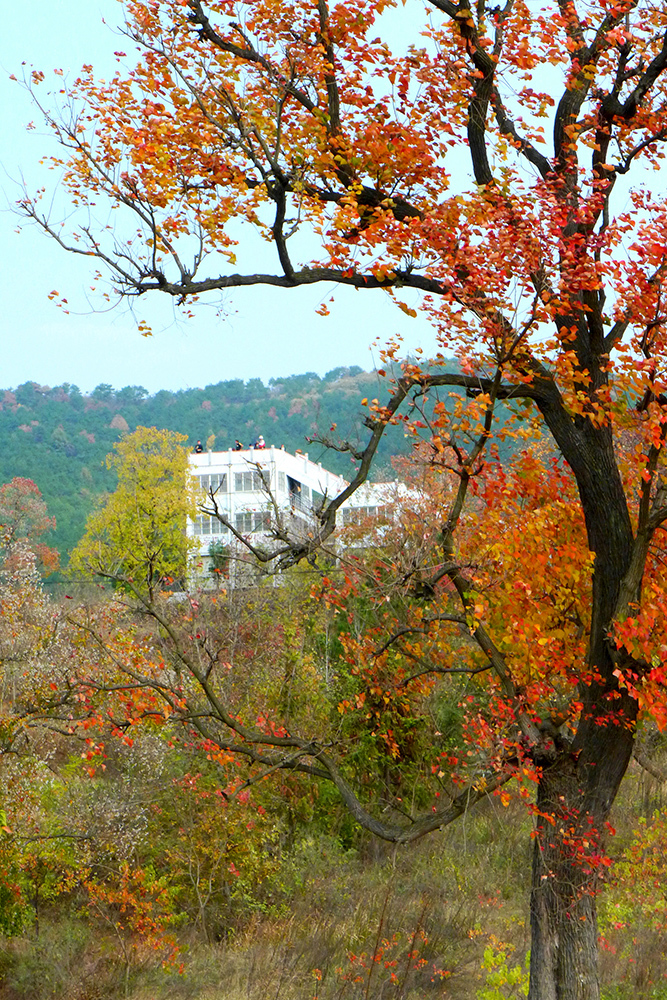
(265, 332)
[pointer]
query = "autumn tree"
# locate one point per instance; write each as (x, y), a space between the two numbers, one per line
(137, 537)
(23, 521)
(540, 267)
(27, 622)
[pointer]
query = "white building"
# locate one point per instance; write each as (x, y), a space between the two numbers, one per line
(255, 486)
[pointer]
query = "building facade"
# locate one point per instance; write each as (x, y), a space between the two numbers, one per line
(254, 487)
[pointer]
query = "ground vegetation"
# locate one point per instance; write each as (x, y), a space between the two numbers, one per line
(543, 584)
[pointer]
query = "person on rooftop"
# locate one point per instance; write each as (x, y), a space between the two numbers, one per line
(238, 446)
(260, 442)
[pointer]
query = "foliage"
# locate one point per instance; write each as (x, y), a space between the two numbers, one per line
(41, 861)
(501, 979)
(541, 582)
(220, 555)
(138, 535)
(30, 648)
(24, 519)
(223, 856)
(158, 844)
(633, 914)
(138, 907)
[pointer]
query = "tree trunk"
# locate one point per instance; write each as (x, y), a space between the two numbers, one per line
(575, 794)
(563, 958)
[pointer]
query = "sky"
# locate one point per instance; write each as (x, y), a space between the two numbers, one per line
(264, 333)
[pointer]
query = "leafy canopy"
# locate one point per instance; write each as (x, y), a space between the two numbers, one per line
(23, 522)
(138, 533)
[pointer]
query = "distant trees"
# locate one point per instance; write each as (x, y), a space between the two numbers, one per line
(69, 468)
(131, 394)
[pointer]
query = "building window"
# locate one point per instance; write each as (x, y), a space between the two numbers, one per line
(209, 526)
(243, 522)
(262, 521)
(299, 494)
(249, 482)
(282, 482)
(248, 522)
(356, 515)
(216, 483)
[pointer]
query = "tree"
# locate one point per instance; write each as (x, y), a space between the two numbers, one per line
(23, 521)
(543, 272)
(137, 537)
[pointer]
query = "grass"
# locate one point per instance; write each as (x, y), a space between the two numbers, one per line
(376, 923)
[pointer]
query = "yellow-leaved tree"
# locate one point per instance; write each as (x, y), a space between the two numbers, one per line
(137, 536)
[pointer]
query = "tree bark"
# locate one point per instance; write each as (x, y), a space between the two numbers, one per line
(575, 794)
(579, 783)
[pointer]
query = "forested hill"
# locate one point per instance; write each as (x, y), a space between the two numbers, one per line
(59, 437)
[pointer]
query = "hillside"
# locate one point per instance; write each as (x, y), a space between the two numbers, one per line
(59, 437)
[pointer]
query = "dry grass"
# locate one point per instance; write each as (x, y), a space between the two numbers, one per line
(374, 924)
